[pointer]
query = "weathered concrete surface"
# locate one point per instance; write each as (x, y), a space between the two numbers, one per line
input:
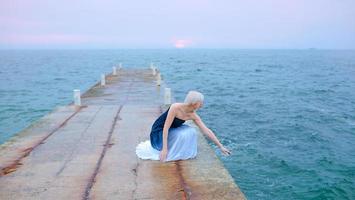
(88, 152)
(22, 143)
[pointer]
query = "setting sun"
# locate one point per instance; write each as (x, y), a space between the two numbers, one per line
(181, 43)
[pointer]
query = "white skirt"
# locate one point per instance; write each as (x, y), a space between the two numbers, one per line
(182, 145)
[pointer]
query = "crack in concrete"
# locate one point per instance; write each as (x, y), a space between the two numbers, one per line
(76, 146)
(92, 180)
(185, 188)
(135, 172)
(16, 163)
(98, 164)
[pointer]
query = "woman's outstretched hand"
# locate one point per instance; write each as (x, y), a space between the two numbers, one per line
(225, 151)
(163, 154)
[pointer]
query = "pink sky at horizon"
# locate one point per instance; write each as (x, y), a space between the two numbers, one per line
(177, 24)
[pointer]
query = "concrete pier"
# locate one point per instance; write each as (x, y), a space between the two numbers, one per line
(88, 151)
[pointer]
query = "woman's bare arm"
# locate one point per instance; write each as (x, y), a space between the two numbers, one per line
(206, 130)
(209, 133)
(169, 120)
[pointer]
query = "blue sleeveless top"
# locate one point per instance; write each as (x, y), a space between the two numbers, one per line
(156, 134)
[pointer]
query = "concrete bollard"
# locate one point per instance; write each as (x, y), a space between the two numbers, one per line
(167, 96)
(154, 69)
(114, 70)
(159, 79)
(103, 82)
(77, 99)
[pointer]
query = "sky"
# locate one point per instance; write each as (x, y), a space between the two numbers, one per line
(241, 24)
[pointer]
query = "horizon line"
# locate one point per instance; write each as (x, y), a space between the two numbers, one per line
(179, 49)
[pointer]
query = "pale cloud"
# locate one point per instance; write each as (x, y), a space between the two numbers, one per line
(191, 24)
(14, 23)
(57, 38)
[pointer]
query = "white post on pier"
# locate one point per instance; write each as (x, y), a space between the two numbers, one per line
(167, 96)
(159, 79)
(114, 70)
(77, 100)
(103, 82)
(154, 69)
(120, 66)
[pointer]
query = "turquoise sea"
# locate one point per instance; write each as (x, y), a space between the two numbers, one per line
(288, 116)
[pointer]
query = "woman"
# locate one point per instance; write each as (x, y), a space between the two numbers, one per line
(170, 139)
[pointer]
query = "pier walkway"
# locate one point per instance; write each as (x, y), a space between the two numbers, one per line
(88, 151)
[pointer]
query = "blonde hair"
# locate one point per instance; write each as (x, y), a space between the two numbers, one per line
(193, 97)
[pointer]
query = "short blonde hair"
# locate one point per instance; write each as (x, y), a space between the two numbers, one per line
(193, 97)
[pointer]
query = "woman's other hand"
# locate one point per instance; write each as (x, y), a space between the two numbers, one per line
(163, 154)
(225, 151)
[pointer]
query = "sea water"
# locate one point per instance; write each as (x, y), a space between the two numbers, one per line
(288, 116)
